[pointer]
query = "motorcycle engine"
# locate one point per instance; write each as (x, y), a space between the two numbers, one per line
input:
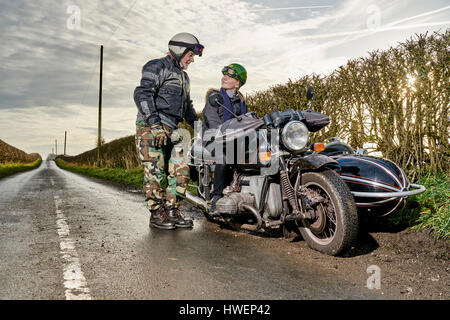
(251, 193)
(231, 203)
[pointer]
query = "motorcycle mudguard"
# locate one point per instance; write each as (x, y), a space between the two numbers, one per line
(313, 162)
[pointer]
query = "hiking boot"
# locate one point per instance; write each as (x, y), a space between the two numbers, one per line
(158, 219)
(174, 215)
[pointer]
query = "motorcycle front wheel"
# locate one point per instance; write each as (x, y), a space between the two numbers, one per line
(336, 224)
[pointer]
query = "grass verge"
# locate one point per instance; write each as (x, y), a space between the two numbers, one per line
(429, 210)
(133, 177)
(11, 168)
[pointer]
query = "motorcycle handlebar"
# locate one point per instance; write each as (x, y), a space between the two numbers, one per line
(277, 118)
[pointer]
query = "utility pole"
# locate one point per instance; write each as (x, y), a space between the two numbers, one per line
(56, 146)
(65, 140)
(99, 142)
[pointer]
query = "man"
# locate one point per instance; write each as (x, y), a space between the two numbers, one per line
(234, 77)
(163, 100)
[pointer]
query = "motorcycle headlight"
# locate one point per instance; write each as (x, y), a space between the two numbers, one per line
(295, 135)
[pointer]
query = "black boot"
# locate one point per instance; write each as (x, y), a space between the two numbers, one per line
(158, 219)
(214, 200)
(174, 215)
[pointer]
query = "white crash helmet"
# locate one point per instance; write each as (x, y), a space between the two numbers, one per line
(181, 43)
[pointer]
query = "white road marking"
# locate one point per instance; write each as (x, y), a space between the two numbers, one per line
(74, 281)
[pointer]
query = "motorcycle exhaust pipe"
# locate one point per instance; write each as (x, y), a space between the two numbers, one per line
(255, 212)
(199, 202)
(202, 205)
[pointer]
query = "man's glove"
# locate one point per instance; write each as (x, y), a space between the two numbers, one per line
(159, 135)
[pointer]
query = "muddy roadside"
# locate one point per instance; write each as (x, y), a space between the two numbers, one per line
(412, 264)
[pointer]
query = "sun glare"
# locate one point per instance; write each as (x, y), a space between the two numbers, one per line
(411, 80)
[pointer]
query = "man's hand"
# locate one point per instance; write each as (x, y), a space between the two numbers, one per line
(159, 135)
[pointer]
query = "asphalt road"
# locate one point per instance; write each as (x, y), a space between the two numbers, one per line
(66, 236)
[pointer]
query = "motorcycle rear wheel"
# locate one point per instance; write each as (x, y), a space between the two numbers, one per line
(336, 226)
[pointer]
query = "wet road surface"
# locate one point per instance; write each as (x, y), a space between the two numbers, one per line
(66, 236)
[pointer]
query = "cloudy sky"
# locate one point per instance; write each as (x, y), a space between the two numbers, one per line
(49, 70)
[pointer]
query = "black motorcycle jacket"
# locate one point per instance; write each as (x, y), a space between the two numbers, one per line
(164, 94)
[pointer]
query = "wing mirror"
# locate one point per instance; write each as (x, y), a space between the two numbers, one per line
(310, 95)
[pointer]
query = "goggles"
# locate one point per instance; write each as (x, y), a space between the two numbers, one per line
(196, 48)
(228, 71)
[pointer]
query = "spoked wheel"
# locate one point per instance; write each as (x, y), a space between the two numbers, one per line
(336, 224)
(324, 226)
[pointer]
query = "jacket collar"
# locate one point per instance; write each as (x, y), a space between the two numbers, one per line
(174, 61)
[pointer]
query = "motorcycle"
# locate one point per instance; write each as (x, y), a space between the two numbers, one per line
(281, 181)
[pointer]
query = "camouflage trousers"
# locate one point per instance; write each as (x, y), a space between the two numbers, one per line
(160, 163)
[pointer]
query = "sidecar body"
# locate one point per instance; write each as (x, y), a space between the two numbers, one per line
(379, 186)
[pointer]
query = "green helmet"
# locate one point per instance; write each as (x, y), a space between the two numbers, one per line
(236, 71)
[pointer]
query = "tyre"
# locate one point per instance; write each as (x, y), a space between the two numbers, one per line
(336, 224)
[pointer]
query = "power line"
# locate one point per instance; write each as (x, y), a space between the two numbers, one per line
(123, 19)
(97, 60)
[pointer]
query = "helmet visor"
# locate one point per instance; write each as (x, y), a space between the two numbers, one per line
(198, 49)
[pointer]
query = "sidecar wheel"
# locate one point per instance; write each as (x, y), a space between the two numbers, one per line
(336, 225)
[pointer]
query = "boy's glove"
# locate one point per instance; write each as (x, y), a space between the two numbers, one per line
(159, 135)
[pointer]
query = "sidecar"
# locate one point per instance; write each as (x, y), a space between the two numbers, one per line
(379, 186)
